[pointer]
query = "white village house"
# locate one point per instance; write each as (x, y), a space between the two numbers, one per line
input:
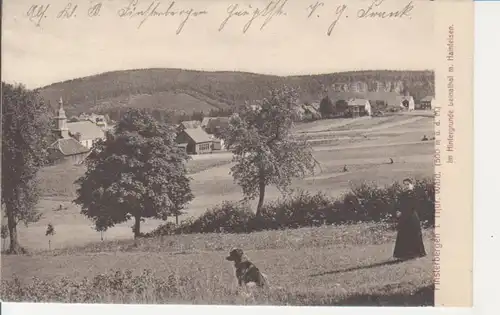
(406, 102)
(359, 107)
(86, 132)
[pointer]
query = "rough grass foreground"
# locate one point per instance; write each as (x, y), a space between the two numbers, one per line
(328, 265)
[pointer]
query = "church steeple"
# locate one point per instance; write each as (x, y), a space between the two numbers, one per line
(61, 130)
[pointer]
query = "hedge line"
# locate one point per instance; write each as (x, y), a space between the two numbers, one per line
(363, 203)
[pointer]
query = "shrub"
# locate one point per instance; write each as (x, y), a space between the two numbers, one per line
(302, 209)
(168, 228)
(229, 217)
(365, 202)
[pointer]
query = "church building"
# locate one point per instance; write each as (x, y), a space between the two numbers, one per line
(66, 149)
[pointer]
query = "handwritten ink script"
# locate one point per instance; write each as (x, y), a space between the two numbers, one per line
(273, 8)
(236, 14)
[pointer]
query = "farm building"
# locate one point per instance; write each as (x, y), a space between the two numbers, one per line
(359, 107)
(189, 124)
(427, 103)
(195, 140)
(216, 124)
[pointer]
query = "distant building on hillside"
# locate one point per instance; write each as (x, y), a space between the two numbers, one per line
(389, 100)
(65, 149)
(256, 107)
(216, 125)
(358, 107)
(195, 141)
(99, 120)
(427, 102)
(407, 103)
(205, 121)
(189, 124)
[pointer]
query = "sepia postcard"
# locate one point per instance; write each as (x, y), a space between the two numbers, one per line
(237, 152)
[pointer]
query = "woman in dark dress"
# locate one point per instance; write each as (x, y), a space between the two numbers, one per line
(409, 243)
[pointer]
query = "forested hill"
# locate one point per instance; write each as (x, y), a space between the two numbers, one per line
(187, 90)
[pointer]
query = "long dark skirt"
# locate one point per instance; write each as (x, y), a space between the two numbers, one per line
(409, 242)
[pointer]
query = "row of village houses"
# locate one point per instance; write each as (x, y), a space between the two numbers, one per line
(76, 138)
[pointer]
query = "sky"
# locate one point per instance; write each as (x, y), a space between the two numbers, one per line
(58, 49)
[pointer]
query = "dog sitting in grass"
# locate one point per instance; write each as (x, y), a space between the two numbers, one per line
(246, 271)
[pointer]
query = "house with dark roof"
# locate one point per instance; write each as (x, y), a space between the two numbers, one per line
(66, 149)
(427, 103)
(195, 141)
(216, 124)
(359, 107)
(310, 113)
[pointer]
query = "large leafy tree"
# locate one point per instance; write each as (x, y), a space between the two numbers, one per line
(138, 172)
(265, 153)
(25, 130)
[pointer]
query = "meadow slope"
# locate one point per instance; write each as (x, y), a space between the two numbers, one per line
(367, 159)
(328, 265)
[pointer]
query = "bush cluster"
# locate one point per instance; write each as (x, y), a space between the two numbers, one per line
(363, 203)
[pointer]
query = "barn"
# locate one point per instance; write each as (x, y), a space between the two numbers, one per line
(195, 140)
(359, 107)
(427, 103)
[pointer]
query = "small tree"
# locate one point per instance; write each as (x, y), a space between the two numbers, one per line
(25, 130)
(264, 150)
(101, 228)
(5, 234)
(138, 172)
(326, 107)
(50, 232)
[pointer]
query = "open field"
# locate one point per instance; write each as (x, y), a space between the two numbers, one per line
(346, 265)
(310, 266)
(366, 159)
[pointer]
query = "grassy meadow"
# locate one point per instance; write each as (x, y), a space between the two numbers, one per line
(344, 265)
